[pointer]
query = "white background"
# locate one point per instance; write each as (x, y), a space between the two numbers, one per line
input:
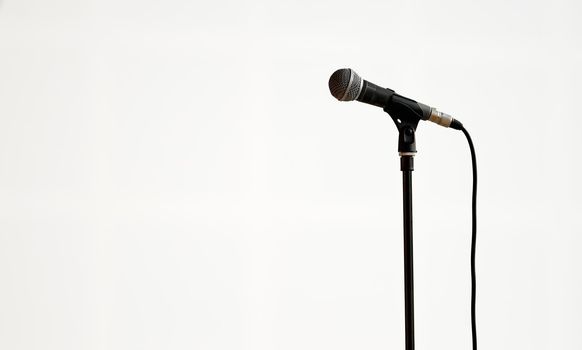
(176, 175)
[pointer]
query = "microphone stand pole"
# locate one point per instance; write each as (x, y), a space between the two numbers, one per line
(407, 166)
(407, 149)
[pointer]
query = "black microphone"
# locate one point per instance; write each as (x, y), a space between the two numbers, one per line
(347, 85)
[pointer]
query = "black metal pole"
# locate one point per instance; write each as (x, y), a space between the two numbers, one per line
(407, 166)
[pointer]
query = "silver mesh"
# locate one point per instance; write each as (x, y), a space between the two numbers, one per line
(345, 84)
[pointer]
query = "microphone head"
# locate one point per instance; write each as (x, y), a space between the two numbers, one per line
(345, 84)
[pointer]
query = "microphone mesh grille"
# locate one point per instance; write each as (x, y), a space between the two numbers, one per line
(345, 84)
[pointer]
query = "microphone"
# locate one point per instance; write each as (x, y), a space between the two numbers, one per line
(347, 85)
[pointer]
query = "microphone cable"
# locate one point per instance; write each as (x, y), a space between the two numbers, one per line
(473, 236)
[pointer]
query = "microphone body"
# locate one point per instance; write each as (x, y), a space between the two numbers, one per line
(347, 85)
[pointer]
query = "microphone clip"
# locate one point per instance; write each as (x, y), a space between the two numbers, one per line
(406, 119)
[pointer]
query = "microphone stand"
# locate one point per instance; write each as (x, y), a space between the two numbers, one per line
(406, 123)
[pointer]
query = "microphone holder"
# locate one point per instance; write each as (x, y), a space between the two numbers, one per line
(406, 121)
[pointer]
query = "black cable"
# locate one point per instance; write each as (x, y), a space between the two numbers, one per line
(473, 237)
